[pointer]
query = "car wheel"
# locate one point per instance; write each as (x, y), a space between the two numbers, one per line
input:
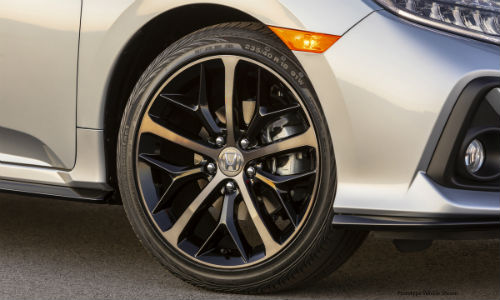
(226, 165)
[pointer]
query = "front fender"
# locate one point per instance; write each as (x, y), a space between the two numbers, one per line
(107, 27)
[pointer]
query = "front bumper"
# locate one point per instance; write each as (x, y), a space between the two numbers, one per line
(387, 88)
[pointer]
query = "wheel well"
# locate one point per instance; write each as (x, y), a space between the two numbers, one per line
(157, 34)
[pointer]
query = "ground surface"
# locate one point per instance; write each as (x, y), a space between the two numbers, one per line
(52, 249)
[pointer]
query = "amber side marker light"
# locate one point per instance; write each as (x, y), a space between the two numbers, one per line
(304, 40)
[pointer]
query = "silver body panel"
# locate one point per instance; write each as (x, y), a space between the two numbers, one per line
(89, 170)
(38, 69)
(386, 88)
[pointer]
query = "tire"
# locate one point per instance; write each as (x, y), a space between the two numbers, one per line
(312, 250)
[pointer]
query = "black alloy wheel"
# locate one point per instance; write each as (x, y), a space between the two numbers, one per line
(225, 166)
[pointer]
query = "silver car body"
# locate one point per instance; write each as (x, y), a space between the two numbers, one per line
(386, 88)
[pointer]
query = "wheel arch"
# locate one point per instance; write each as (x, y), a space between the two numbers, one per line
(111, 57)
(134, 59)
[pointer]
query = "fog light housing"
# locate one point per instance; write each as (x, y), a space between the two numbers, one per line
(481, 155)
(474, 157)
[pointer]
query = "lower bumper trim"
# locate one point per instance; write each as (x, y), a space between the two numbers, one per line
(422, 228)
(53, 191)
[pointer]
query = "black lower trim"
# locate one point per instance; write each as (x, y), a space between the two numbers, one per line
(422, 228)
(443, 166)
(53, 191)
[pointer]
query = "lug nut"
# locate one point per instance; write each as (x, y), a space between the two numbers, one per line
(211, 168)
(219, 141)
(230, 187)
(244, 143)
(251, 172)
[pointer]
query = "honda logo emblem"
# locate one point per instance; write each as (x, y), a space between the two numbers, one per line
(230, 161)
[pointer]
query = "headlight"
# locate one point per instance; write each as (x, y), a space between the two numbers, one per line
(478, 19)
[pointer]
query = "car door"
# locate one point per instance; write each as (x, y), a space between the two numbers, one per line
(38, 75)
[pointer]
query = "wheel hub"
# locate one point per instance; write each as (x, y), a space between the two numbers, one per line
(230, 161)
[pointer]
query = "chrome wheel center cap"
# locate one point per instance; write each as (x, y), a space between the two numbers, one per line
(230, 161)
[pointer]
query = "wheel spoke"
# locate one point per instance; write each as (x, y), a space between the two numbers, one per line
(179, 176)
(281, 186)
(150, 126)
(179, 101)
(282, 182)
(173, 170)
(172, 235)
(262, 117)
(208, 245)
(203, 109)
(269, 243)
(292, 215)
(305, 139)
(226, 225)
(230, 63)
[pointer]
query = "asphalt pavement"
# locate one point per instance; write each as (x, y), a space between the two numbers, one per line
(53, 249)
